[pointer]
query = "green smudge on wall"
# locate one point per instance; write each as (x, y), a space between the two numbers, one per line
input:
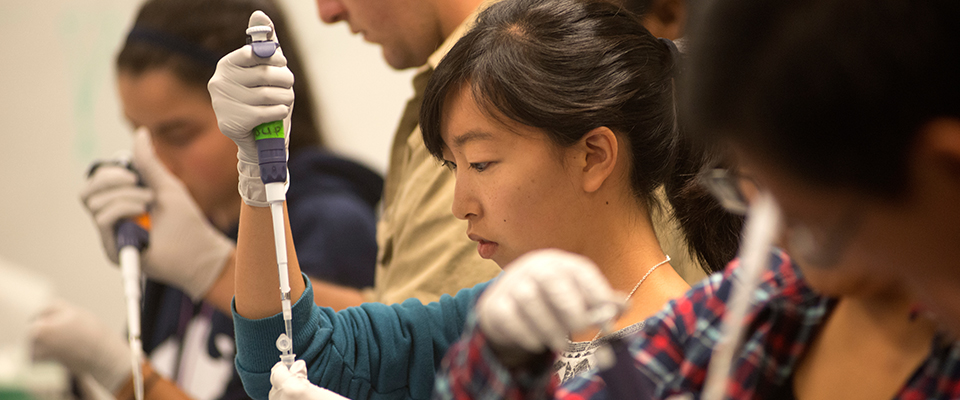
(89, 36)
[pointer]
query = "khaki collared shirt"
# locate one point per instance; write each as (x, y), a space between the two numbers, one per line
(424, 251)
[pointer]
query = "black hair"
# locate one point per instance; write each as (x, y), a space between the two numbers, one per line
(638, 7)
(833, 92)
(569, 66)
(187, 37)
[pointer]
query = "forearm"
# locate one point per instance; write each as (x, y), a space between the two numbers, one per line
(155, 387)
(221, 293)
(337, 297)
(327, 294)
(257, 285)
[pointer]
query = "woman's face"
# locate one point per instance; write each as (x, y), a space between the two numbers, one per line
(186, 139)
(870, 242)
(512, 187)
(825, 213)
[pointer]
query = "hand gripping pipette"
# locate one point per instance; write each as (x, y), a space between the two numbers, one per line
(132, 237)
(271, 151)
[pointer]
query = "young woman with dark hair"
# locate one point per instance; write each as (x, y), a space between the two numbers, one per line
(584, 91)
(567, 69)
(189, 177)
(558, 119)
(174, 45)
(848, 113)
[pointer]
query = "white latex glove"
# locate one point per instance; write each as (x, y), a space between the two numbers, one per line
(247, 91)
(541, 298)
(75, 338)
(111, 194)
(184, 249)
(292, 384)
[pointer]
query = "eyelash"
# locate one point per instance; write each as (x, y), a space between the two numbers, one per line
(480, 166)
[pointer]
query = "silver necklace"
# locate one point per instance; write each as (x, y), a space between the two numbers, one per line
(604, 327)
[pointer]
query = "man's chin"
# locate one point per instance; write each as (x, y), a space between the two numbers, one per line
(400, 60)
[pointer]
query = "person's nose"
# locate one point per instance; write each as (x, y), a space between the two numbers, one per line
(331, 11)
(465, 203)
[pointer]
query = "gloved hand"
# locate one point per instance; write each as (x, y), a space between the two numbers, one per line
(110, 194)
(247, 91)
(75, 338)
(543, 297)
(184, 250)
(292, 384)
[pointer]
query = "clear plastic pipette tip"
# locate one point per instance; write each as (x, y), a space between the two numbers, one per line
(285, 345)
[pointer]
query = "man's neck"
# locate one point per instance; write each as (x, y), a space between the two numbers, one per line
(452, 13)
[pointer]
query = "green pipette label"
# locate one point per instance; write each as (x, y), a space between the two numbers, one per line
(268, 130)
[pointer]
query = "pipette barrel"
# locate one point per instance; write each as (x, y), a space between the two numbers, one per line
(133, 232)
(269, 136)
(130, 270)
(271, 151)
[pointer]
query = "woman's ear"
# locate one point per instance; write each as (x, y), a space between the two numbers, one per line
(938, 152)
(666, 18)
(600, 150)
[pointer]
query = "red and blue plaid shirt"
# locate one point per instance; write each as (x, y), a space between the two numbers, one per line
(670, 355)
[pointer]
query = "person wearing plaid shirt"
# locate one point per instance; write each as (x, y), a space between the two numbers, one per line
(671, 354)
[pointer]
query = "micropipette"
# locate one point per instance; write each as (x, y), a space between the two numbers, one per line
(763, 225)
(132, 237)
(271, 151)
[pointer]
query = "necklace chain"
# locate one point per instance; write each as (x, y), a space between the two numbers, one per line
(637, 286)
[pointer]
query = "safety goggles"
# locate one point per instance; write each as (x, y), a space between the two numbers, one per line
(820, 245)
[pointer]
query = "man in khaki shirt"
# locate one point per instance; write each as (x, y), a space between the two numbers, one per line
(424, 251)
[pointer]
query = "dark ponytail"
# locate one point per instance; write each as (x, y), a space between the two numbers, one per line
(712, 233)
(569, 66)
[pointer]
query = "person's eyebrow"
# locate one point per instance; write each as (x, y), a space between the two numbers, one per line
(471, 136)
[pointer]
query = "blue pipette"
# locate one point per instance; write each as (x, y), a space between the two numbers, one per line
(271, 151)
(132, 237)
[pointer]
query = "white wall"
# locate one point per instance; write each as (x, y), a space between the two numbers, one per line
(61, 112)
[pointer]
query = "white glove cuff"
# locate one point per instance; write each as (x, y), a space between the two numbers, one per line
(110, 365)
(114, 375)
(213, 260)
(251, 188)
